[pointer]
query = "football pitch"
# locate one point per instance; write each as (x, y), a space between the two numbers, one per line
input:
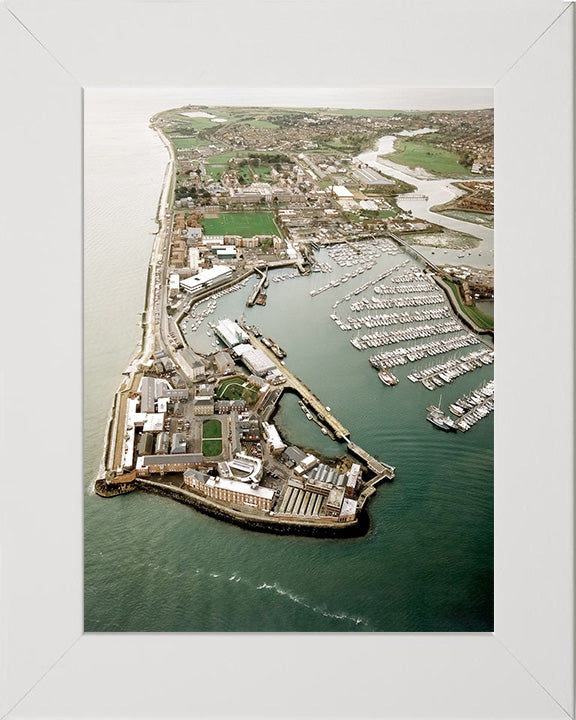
(245, 224)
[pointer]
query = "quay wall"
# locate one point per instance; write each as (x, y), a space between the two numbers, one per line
(455, 305)
(261, 523)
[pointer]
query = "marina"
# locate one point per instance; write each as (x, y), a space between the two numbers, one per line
(397, 302)
(186, 560)
(449, 370)
(402, 355)
(474, 406)
(379, 339)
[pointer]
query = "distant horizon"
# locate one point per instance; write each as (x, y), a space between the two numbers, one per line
(401, 99)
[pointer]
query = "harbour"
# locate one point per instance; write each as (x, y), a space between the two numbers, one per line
(178, 561)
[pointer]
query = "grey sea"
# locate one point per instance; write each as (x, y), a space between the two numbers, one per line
(151, 564)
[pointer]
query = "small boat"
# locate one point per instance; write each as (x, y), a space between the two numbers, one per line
(437, 417)
(387, 377)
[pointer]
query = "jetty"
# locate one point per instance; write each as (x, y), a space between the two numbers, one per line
(258, 287)
(295, 384)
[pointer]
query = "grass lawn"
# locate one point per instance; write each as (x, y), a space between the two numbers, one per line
(235, 388)
(216, 164)
(215, 171)
(431, 158)
(223, 158)
(198, 123)
(211, 429)
(483, 321)
(245, 224)
(181, 143)
(211, 448)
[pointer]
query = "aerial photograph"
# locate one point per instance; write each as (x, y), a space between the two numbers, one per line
(288, 362)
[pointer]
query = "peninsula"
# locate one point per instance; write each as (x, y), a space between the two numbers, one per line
(247, 193)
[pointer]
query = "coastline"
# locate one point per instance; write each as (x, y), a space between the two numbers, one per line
(106, 487)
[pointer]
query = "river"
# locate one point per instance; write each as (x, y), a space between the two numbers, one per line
(437, 192)
(152, 564)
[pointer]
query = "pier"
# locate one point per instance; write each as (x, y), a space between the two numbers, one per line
(382, 470)
(305, 393)
(258, 287)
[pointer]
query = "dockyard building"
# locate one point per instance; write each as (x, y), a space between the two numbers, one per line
(293, 455)
(255, 360)
(231, 491)
(178, 444)
(370, 178)
(206, 279)
(230, 332)
(273, 439)
(224, 363)
(334, 501)
(204, 400)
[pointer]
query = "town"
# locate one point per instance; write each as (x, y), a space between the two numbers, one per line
(250, 192)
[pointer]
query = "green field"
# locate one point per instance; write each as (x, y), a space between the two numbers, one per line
(182, 143)
(483, 321)
(211, 448)
(255, 169)
(245, 224)
(236, 388)
(434, 159)
(198, 123)
(211, 429)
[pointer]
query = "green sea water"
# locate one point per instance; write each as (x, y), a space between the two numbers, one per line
(151, 564)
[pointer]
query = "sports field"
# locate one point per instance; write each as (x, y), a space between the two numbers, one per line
(245, 224)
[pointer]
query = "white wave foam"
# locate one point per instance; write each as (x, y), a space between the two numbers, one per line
(336, 615)
(320, 611)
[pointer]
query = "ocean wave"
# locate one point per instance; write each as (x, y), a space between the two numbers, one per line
(337, 615)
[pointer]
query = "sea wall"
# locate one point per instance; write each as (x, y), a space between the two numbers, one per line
(261, 523)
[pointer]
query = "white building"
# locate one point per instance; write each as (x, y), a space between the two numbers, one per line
(174, 284)
(273, 439)
(230, 332)
(206, 279)
(194, 233)
(341, 192)
(193, 259)
(255, 360)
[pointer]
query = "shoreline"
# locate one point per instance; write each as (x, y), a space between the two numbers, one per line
(235, 516)
(152, 328)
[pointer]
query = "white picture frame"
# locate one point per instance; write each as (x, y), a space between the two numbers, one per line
(52, 50)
